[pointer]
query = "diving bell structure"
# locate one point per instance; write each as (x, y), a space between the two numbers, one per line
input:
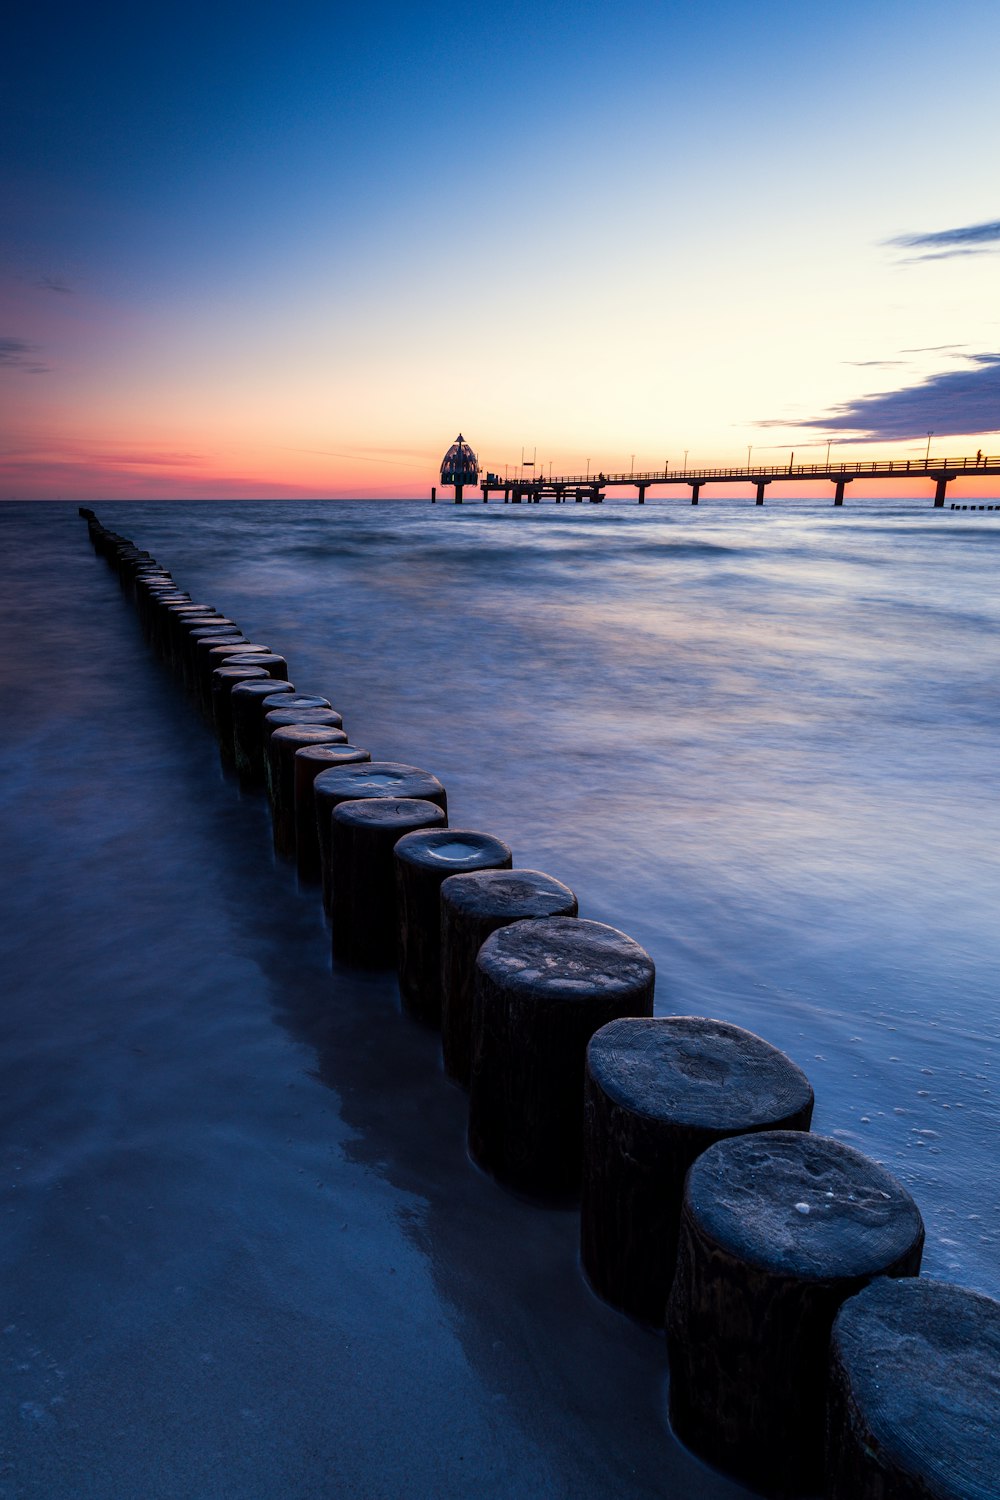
(459, 467)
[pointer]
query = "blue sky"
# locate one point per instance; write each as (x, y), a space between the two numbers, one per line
(244, 235)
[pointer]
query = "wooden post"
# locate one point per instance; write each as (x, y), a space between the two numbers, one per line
(247, 707)
(657, 1094)
(423, 862)
(311, 761)
(472, 907)
(777, 1230)
(224, 679)
(542, 989)
(381, 778)
(280, 762)
(364, 914)
(914, 1393)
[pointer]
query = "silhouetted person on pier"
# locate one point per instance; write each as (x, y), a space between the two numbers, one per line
(979, 457)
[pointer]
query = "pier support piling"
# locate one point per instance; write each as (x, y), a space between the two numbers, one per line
(695, 492)
(838, 494)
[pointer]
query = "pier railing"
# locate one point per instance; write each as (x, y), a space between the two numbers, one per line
(878, 468)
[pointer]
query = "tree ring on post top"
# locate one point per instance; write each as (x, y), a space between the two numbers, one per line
(298, 700)
(247, 701)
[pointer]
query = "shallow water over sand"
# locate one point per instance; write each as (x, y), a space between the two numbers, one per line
(245, 1253)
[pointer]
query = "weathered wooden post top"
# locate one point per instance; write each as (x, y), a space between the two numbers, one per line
(459, 467)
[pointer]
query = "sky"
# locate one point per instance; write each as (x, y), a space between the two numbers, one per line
(291, 250)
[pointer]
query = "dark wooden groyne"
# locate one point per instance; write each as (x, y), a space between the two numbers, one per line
(804, 1350)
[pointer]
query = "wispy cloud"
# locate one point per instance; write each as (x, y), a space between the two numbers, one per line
(18, 354)
(873, 364)
(958, 402)
(67, 470)
(944, 244)
(49, 284)
(360, 455)
(157, 459)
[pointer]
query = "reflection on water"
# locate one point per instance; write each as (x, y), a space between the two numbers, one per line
(760, 742)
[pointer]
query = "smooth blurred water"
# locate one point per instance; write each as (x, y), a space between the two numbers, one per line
(761, 741)
(764, 744)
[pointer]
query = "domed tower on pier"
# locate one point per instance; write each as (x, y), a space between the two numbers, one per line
(459, 467)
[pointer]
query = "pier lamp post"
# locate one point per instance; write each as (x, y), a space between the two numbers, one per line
(829, 444)
(588, 468)
(749, 451)
(927, 455)
(632, 467)
(685, 460)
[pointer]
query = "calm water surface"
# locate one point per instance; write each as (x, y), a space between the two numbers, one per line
(762, 742)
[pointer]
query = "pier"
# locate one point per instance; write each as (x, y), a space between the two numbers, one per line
(592, 488)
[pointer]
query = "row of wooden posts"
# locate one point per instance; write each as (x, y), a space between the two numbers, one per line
(804, 1350)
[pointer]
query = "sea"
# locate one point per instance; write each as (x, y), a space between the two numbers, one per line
(244, 1252)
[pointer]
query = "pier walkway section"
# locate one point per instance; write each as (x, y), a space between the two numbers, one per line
(563, 488)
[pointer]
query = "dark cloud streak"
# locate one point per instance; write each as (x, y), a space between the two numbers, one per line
(957, 402)
(17, 354)
(971, 234)
(944, 244)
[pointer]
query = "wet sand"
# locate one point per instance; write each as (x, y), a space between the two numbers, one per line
(245, 1254)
